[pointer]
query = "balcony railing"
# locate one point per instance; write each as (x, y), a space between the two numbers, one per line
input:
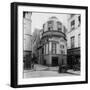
(53, 33)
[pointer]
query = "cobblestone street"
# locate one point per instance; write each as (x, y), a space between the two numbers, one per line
(45, 71)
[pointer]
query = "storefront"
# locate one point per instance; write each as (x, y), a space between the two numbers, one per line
(27, 59)
(73, 58)
(51, 53)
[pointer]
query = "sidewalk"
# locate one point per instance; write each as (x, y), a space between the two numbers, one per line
(37, 67)
(45, 71)
(73, 72)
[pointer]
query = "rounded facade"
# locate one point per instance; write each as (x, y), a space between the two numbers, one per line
(53, 24)
(53, 49)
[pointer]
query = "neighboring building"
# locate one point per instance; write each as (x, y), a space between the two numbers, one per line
(52, 48)
(27, 48)
(35, 43)
(73, 40)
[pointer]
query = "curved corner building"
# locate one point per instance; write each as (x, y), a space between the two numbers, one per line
(52, 48)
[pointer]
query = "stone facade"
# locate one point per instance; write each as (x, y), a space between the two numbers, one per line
(52, 49)
(73, 40)
(27, 46)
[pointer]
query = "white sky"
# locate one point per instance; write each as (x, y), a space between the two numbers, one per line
(38, 19)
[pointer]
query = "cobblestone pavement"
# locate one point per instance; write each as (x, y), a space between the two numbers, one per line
(45, 71)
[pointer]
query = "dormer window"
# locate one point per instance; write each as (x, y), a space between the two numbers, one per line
(59, 26)
(50, 25)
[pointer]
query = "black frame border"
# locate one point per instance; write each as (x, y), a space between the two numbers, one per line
(14, 43)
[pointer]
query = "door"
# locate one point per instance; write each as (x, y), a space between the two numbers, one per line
(54, 61)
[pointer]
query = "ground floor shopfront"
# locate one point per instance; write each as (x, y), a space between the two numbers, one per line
(53, 60)
(27, 56)
(73, 58)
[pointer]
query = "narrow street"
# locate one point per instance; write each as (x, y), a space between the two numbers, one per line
(45, 71)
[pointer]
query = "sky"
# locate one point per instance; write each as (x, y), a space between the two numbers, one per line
(38, 19)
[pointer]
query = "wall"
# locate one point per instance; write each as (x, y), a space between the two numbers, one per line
(27, 32)
(48, 59)
(73, 32)
(27, 43)
(5, 45)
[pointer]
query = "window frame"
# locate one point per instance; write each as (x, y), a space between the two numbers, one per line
(72, 41)
(55, 48)
(72, 25)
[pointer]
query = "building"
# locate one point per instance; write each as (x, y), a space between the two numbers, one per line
(35, 42)
(52, 48)
(73, 41)
(27, 48)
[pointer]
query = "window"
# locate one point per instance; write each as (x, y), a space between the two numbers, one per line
(72, 42)
(42, 50)
(78, 40)
(64, 29)
(62, 52)
(53, 48)
(50, 25)
(47, 48)
(79, 19)
(59, 26)
(72, 24)
(43, 26)
(49, 28)
(62, 46)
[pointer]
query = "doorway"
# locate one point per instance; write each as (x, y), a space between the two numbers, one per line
(54, 61)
